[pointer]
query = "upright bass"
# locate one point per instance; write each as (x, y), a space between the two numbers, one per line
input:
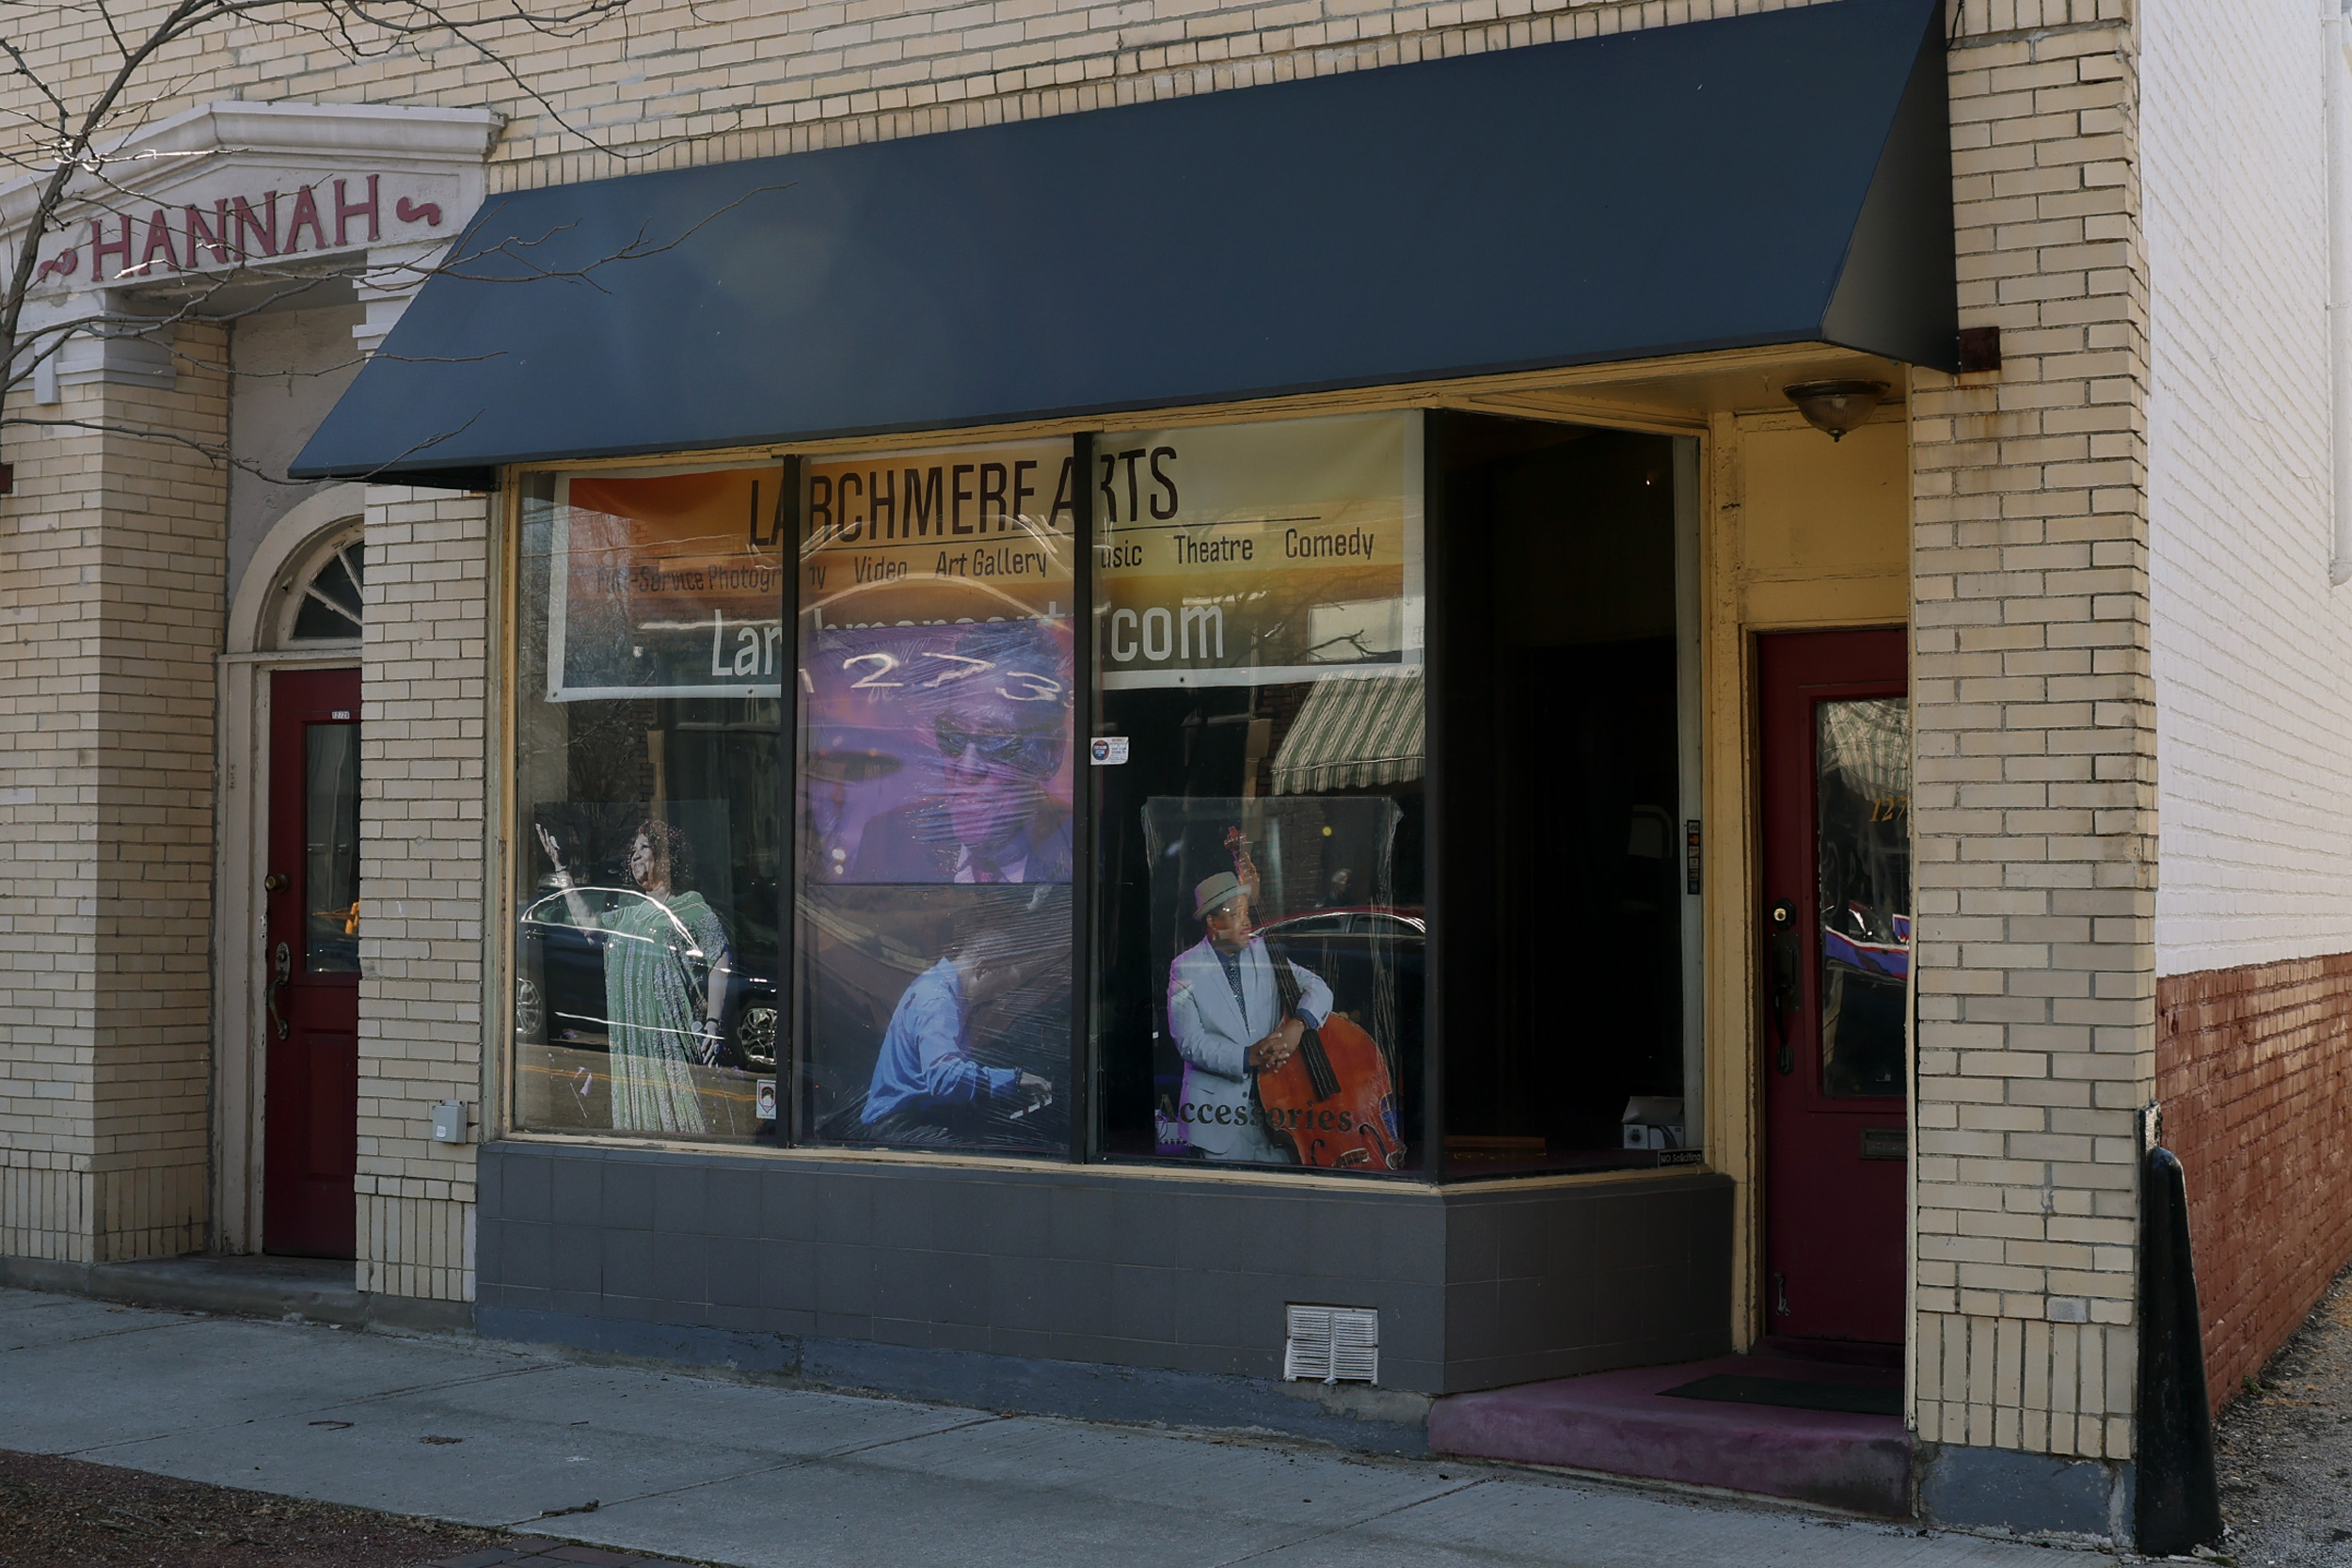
(1333, 1101)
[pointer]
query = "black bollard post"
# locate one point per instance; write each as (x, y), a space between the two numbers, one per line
(2179, 1504)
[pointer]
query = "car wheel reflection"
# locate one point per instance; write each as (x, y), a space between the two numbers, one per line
(531, 1013)
(755, 1037)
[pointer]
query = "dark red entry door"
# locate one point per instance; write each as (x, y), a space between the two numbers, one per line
(309, 1145)
(1836, 821)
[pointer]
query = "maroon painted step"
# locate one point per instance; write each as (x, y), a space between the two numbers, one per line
(1625, 1423)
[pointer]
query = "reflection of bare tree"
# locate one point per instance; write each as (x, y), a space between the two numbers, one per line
(608, 753)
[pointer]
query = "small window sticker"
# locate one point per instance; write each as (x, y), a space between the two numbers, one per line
(1107, 751)
(764, 1099)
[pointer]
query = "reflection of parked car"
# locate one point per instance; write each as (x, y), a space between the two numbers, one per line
(559, 983)
(1369, 954)
(1367, 922)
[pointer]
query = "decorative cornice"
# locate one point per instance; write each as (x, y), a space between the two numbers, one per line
(199, 210)
(196, 142)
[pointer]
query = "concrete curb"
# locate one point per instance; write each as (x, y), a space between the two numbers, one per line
(198, 1284)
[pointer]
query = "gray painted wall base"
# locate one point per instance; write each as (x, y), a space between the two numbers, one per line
(1373, 1420)
(1477, 1286)
(2026, 1494)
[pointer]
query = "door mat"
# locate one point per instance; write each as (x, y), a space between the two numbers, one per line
(1846, 1398)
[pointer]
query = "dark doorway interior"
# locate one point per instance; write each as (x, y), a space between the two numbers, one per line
(1562, 897)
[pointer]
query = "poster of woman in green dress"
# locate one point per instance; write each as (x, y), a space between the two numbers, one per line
(666, 962)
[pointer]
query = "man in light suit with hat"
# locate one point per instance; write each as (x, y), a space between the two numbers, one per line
(1225, 1011)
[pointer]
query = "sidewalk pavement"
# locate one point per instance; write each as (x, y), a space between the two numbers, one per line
(636, 1460)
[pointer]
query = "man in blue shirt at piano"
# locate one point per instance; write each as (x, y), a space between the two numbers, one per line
(927, 1087)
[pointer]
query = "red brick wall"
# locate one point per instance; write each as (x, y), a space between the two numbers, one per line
(2254, 1072)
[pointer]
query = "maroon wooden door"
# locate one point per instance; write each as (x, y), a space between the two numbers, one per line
(1837, 923)
(309, 1145)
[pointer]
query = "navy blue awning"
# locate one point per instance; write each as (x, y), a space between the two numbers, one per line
(1781, 178)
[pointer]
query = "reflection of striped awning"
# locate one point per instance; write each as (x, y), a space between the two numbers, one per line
(1352, 734)
(1868, 739)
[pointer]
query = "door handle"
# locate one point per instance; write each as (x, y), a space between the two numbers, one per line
(277, 882)
(281, 965)
(1788, 983)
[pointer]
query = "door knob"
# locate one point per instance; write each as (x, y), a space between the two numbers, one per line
(277, 882)
(1787, 981)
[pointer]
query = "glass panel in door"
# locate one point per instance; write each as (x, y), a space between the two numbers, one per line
(331, 835)
(1862, 751)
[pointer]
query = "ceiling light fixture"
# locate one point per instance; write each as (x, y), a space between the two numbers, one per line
(1835, 406)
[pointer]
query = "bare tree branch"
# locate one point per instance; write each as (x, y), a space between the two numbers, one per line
(76, 130)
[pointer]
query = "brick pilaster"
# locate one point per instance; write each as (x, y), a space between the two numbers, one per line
(111, 563)
(425, 676)
(2035, 811)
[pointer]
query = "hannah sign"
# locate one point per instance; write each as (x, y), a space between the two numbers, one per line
(337, 213)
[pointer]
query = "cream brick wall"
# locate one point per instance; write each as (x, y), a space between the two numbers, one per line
(110, 611)
(424, 685)
(2035, 804)
(2253, 718)
(665, 82)
(51, 550)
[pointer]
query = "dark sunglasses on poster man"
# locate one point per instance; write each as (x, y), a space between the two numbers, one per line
(1022, 752)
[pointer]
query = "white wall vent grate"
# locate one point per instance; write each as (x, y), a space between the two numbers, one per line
(1332, 1345)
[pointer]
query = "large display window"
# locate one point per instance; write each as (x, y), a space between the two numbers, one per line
(1084, 798)
(646, 839)
(934, 913)
(1259, 925)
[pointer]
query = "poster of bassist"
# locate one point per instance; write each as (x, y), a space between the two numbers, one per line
(1261, 818)
(1273, 1072)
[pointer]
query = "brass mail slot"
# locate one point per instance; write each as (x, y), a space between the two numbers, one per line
(1886, 1143)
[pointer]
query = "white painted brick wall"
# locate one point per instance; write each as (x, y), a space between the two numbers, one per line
(2253, 649)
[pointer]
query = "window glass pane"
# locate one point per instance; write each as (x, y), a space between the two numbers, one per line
(1260, 928)
(331, 606)
(331, 862)
(334, 583)
(1564, 859)
(934, 913)
(648, 801)
(1863, 756)
(316, 619)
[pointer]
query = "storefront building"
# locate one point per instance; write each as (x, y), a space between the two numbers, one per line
(1051, 707)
